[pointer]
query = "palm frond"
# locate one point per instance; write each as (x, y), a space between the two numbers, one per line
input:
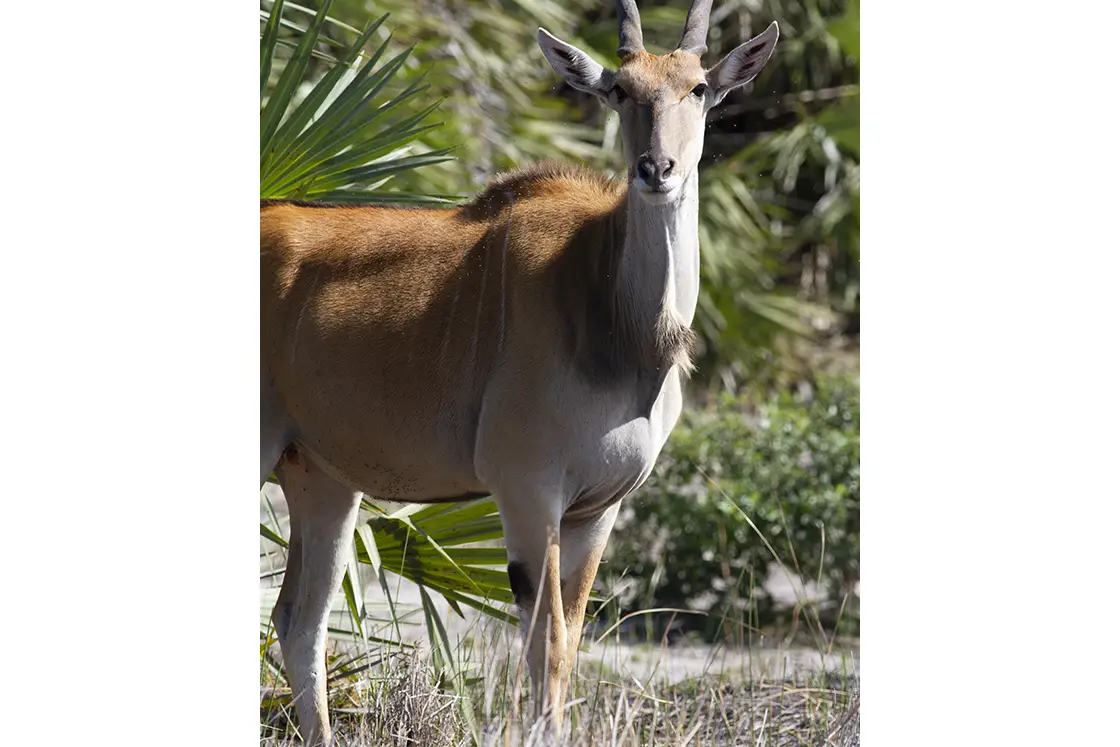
(346, 134)
(425, 545)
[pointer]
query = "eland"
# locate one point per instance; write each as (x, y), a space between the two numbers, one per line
(529, 345)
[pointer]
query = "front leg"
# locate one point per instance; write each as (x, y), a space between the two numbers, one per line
(581, 548)
(531, 524)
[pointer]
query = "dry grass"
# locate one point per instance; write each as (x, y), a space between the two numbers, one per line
(398, 701)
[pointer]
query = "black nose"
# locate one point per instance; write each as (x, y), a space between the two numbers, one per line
(654, 171)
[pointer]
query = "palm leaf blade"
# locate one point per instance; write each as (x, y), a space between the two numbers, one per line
(273, 110)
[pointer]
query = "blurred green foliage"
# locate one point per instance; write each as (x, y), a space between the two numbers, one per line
(791, 466)
(780, 172)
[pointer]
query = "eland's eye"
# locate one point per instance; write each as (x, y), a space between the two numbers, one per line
(699, 91)
(618, 92)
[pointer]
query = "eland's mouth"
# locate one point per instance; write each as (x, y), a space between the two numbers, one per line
(660, 193)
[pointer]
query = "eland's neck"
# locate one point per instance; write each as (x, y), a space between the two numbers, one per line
(635, 325)
(660, 268)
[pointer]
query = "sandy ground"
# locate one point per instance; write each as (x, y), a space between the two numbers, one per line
(672, 663)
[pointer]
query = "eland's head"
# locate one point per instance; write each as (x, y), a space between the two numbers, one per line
(662, 99)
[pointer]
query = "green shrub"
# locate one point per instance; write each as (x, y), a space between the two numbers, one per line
(792, 467)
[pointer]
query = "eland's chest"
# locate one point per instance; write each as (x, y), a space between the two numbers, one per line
(615, 449)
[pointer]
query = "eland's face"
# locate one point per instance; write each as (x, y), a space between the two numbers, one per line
(662, 101)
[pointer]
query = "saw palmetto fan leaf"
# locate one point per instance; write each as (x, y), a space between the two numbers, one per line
(343, 136)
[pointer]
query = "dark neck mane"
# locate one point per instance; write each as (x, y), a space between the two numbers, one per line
(616, 339)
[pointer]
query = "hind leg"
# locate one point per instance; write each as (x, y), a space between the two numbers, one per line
(277, 431)
(324, 514)
(286, 603)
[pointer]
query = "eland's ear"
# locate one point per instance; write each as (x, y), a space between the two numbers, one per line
(573, 64)
(744, 62)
